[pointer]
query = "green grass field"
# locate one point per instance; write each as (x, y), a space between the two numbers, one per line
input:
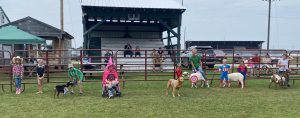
(147, 99)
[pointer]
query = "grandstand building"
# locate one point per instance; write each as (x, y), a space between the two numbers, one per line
(110, 24)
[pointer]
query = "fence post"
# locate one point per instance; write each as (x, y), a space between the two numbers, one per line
(115, 57)
(204, 68)
(203, 64)
(259, 62)
(11, 74)
(297, 61)
(80, 57)
(233, 53)
(47, 65)
(146, 71)
(174, 76)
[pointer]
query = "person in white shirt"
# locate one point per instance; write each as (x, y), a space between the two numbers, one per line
(283, 65)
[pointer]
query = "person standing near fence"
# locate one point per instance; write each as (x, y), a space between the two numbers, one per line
(243, 70)
(32, 62)
(40, 72)
(77, 77)
(225, 70)
(107, 55)
(283, 65)
(196, 63)
(18, 71)
(178, 71)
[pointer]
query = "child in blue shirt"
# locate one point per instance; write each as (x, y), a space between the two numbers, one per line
(224, 69)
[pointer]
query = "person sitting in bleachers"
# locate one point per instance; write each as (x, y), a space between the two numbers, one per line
(107, 55)
(157, 61)
(137, 51)
(128, 50)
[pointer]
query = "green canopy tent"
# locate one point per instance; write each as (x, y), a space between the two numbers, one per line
(13, 35)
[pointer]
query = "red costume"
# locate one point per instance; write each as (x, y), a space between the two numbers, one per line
(178, 72)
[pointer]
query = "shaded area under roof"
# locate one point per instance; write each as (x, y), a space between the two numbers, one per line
(13, 35)
(152, 4)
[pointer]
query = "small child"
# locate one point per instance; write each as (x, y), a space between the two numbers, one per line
(243, 70)
(18, 71)
(40, 72)
(224, 69)
(178, 71)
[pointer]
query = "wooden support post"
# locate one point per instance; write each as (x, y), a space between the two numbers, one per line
(169, 39)
(47, 66)
(92, 28)
(146, 71)
(179, 37)
(168, 27)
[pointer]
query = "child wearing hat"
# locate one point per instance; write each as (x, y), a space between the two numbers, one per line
(18, 70)
(77, 76)
(110, 78)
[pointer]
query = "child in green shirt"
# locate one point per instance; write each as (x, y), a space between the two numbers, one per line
(195, 61)
(77, 76)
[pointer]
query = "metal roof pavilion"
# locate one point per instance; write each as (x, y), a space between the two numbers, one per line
(152, 4)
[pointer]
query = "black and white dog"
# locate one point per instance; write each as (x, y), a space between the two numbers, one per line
(62, 88)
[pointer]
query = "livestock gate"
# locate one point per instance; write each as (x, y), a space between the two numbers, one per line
(56, 73)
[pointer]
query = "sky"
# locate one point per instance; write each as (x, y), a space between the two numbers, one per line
(229, 20)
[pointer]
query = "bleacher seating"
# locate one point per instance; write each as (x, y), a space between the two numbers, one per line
(144, 44)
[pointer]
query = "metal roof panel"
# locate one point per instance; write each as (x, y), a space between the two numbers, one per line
(154, 4)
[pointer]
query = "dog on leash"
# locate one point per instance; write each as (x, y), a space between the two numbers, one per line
(236, 77)
(174, 85)
(194, 78)
(62, 88)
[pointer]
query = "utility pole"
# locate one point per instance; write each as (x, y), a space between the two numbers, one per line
(62, 29)
(269, 25)
(184, 38)
(269, 22)
(62, 14)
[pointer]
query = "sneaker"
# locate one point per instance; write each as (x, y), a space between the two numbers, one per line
(81, 93)
(18, 91)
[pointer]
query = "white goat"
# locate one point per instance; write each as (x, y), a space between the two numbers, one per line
(236, 77)
(195, 77)
(275, 78)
